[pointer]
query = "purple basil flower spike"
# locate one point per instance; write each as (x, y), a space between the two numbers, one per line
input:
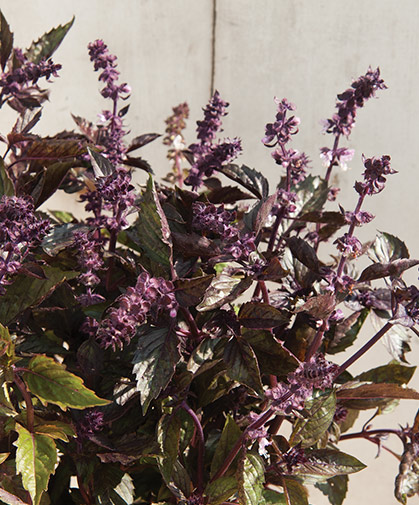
(210, 156)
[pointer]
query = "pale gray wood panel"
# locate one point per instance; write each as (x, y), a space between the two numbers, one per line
(164, 54)
(308, 51)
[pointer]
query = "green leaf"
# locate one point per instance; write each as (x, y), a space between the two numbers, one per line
(223, 289)
(387, 248)
(154, 363)
(249, 178)
(180, 484)
(321, 410)
(250, 479)
(168, 437)
(27, 291)
(6, 185)
(6, 41)
(345, 333)
(46, 45)
(36, 457)
(52, 383)
(55, 429)
(335, 489)
(393, 372)
(271, 497)
(295, 493)
(272, 356)
(322, 464)
(153, 229)
(242, 365)
(229, 436)
(221, 490)
(10, 499)
(112, 486)
(7, 348)
(190, 291)
(6, 406)
(261, 315)
(63, 216)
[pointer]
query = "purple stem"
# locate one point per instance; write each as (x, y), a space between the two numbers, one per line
(363, 349)
(315, 344)
(191, 323)
(350, 233)
(30, 413)
(201, 446)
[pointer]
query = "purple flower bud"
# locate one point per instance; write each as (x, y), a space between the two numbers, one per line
(374, 180)
(349, 245)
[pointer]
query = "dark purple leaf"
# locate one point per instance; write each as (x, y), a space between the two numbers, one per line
(192, 245)
(138, 163)
(142, 140)
(319, 306)
(154, 363)
(153, 229)
(249, 178)
(373, 391)
(256, 218)
(261, 315)
(6, 41)
(273, 271)
(344, 334)
(46, 45)
(122, 112)
(387, 248)
(190, 291)
(393, 269)
(303, 251)
(242, 365)
(318, 216)
(227, 194)
(102, 167)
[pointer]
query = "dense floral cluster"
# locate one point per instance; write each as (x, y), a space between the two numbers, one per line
(150, 296)
(90, 423)
(20, 230)
(12, 82)
(176, 123)
(352, 99)
(89, 257)
(210, 156)
(374, 180)
(278, 134)
(212, 219)
(113, 131)
(316, 373)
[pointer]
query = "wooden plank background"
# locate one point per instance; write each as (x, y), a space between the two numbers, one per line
(170, 51)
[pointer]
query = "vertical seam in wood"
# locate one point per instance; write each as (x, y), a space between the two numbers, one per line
(213, 43)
